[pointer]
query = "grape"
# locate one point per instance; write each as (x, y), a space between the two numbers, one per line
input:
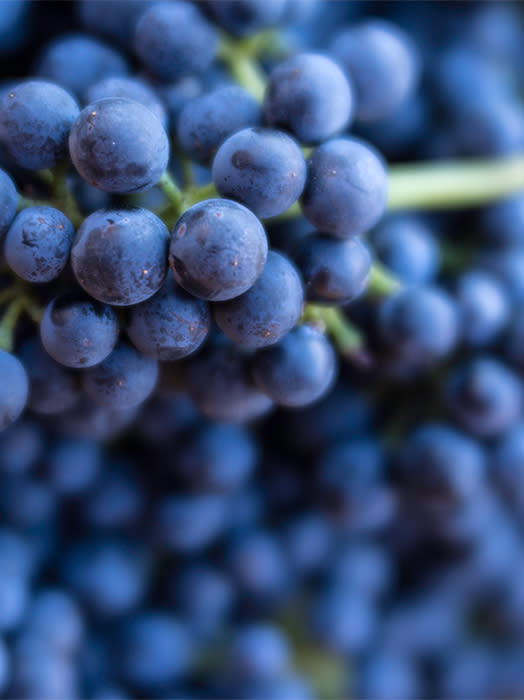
(218, 249)
(169, 325)
(123, 380)
(78, 331)
(174, 40)
(119, 256)
(483, 306)
(266, 312)
(38, 243)
(387, 674)
(118, 145)
(406, 245)
(16, 388)
(346, 188)
(209, 119)
(76, 61)
(35, 120)
(244, 17)
(259, 652)
(114, 19)
(188, 523)
(86, 456)
(8, 202)
(503, 223)
(428, 464)
(421, 323)
(154, 649)
(298, 370)
(218, 372)
(310, 96)
(484, 396)
(334, 271)
(263, 169)
(55, 618)
(4, 666)
(131, 89)
(256, 562)
(52, 387)
(382, 63)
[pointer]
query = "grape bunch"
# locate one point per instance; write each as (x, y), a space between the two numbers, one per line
(261, 349)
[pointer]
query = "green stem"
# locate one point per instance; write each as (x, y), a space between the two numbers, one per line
(193, 195)
(243, 68)
(454, 183)
(62, 196)
(345, 336)
(173, 193)
(25, 203)
(8, 293)
(9, 321)
(381, 283)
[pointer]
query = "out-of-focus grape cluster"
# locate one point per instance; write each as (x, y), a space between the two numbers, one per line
(261, 402)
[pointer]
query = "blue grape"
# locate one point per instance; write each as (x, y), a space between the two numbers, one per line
(258, 566)
(218, 249)
(131, 89)
(13, 25)
(109, 575)
(4, 666)
(35, 120)
(264, 169)
(123, 380)
(346, 188)
(119, 146)
(14, 598)
(428, 464)
(8, 202)
(502, 223)
(38, 243)
(507, 464)
(209, 119)
(491, 128)
(169, 325)
(344, 620)
(113, 19)
(419, 322)
(219, 372)
(388, 674)
(308, 541)
(39, 671)
(216, 457)
(334, 272)
(155, 649)
(286, 687)
(55, 618)
(483, 306)
(21, 447)
(365, 566)
(29, 503)
(176, 95)
(87, 419)
(298, 370)
(173, 40)
(266, 312)
(119, 256)
(78, 331)
(259, 651)
(76, 61)
(382, 63)
(484, 396)
(406, 246)
(116, 500)
(14, 380)
(73, 465)
(188, 523)
(310, 96)
(244, 17)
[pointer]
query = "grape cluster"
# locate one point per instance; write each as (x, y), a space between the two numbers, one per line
(260, 437)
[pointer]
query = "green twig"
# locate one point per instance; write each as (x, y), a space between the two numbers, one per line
(347, 338)
(242, 66)
(381, 283)
(173, 193)
(25, 203)
(193, 195)
(9, 321)
(450, 184)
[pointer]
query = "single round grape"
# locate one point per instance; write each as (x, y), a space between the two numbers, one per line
(78, 331)
(173, 40)
(266, 312)
(334, 272)
(123, 380)
(131, 89)
(8, 202)
(35, 120)
(15, 388)
(244, 17)
(76, 61)
(208, 120)
(346, 188)
(38, 243)
(298, 370)
(309, 96)
(169, 325)
(218, 249)
(119, 256)
(119, 146)
(264, 169)
(383, 64)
